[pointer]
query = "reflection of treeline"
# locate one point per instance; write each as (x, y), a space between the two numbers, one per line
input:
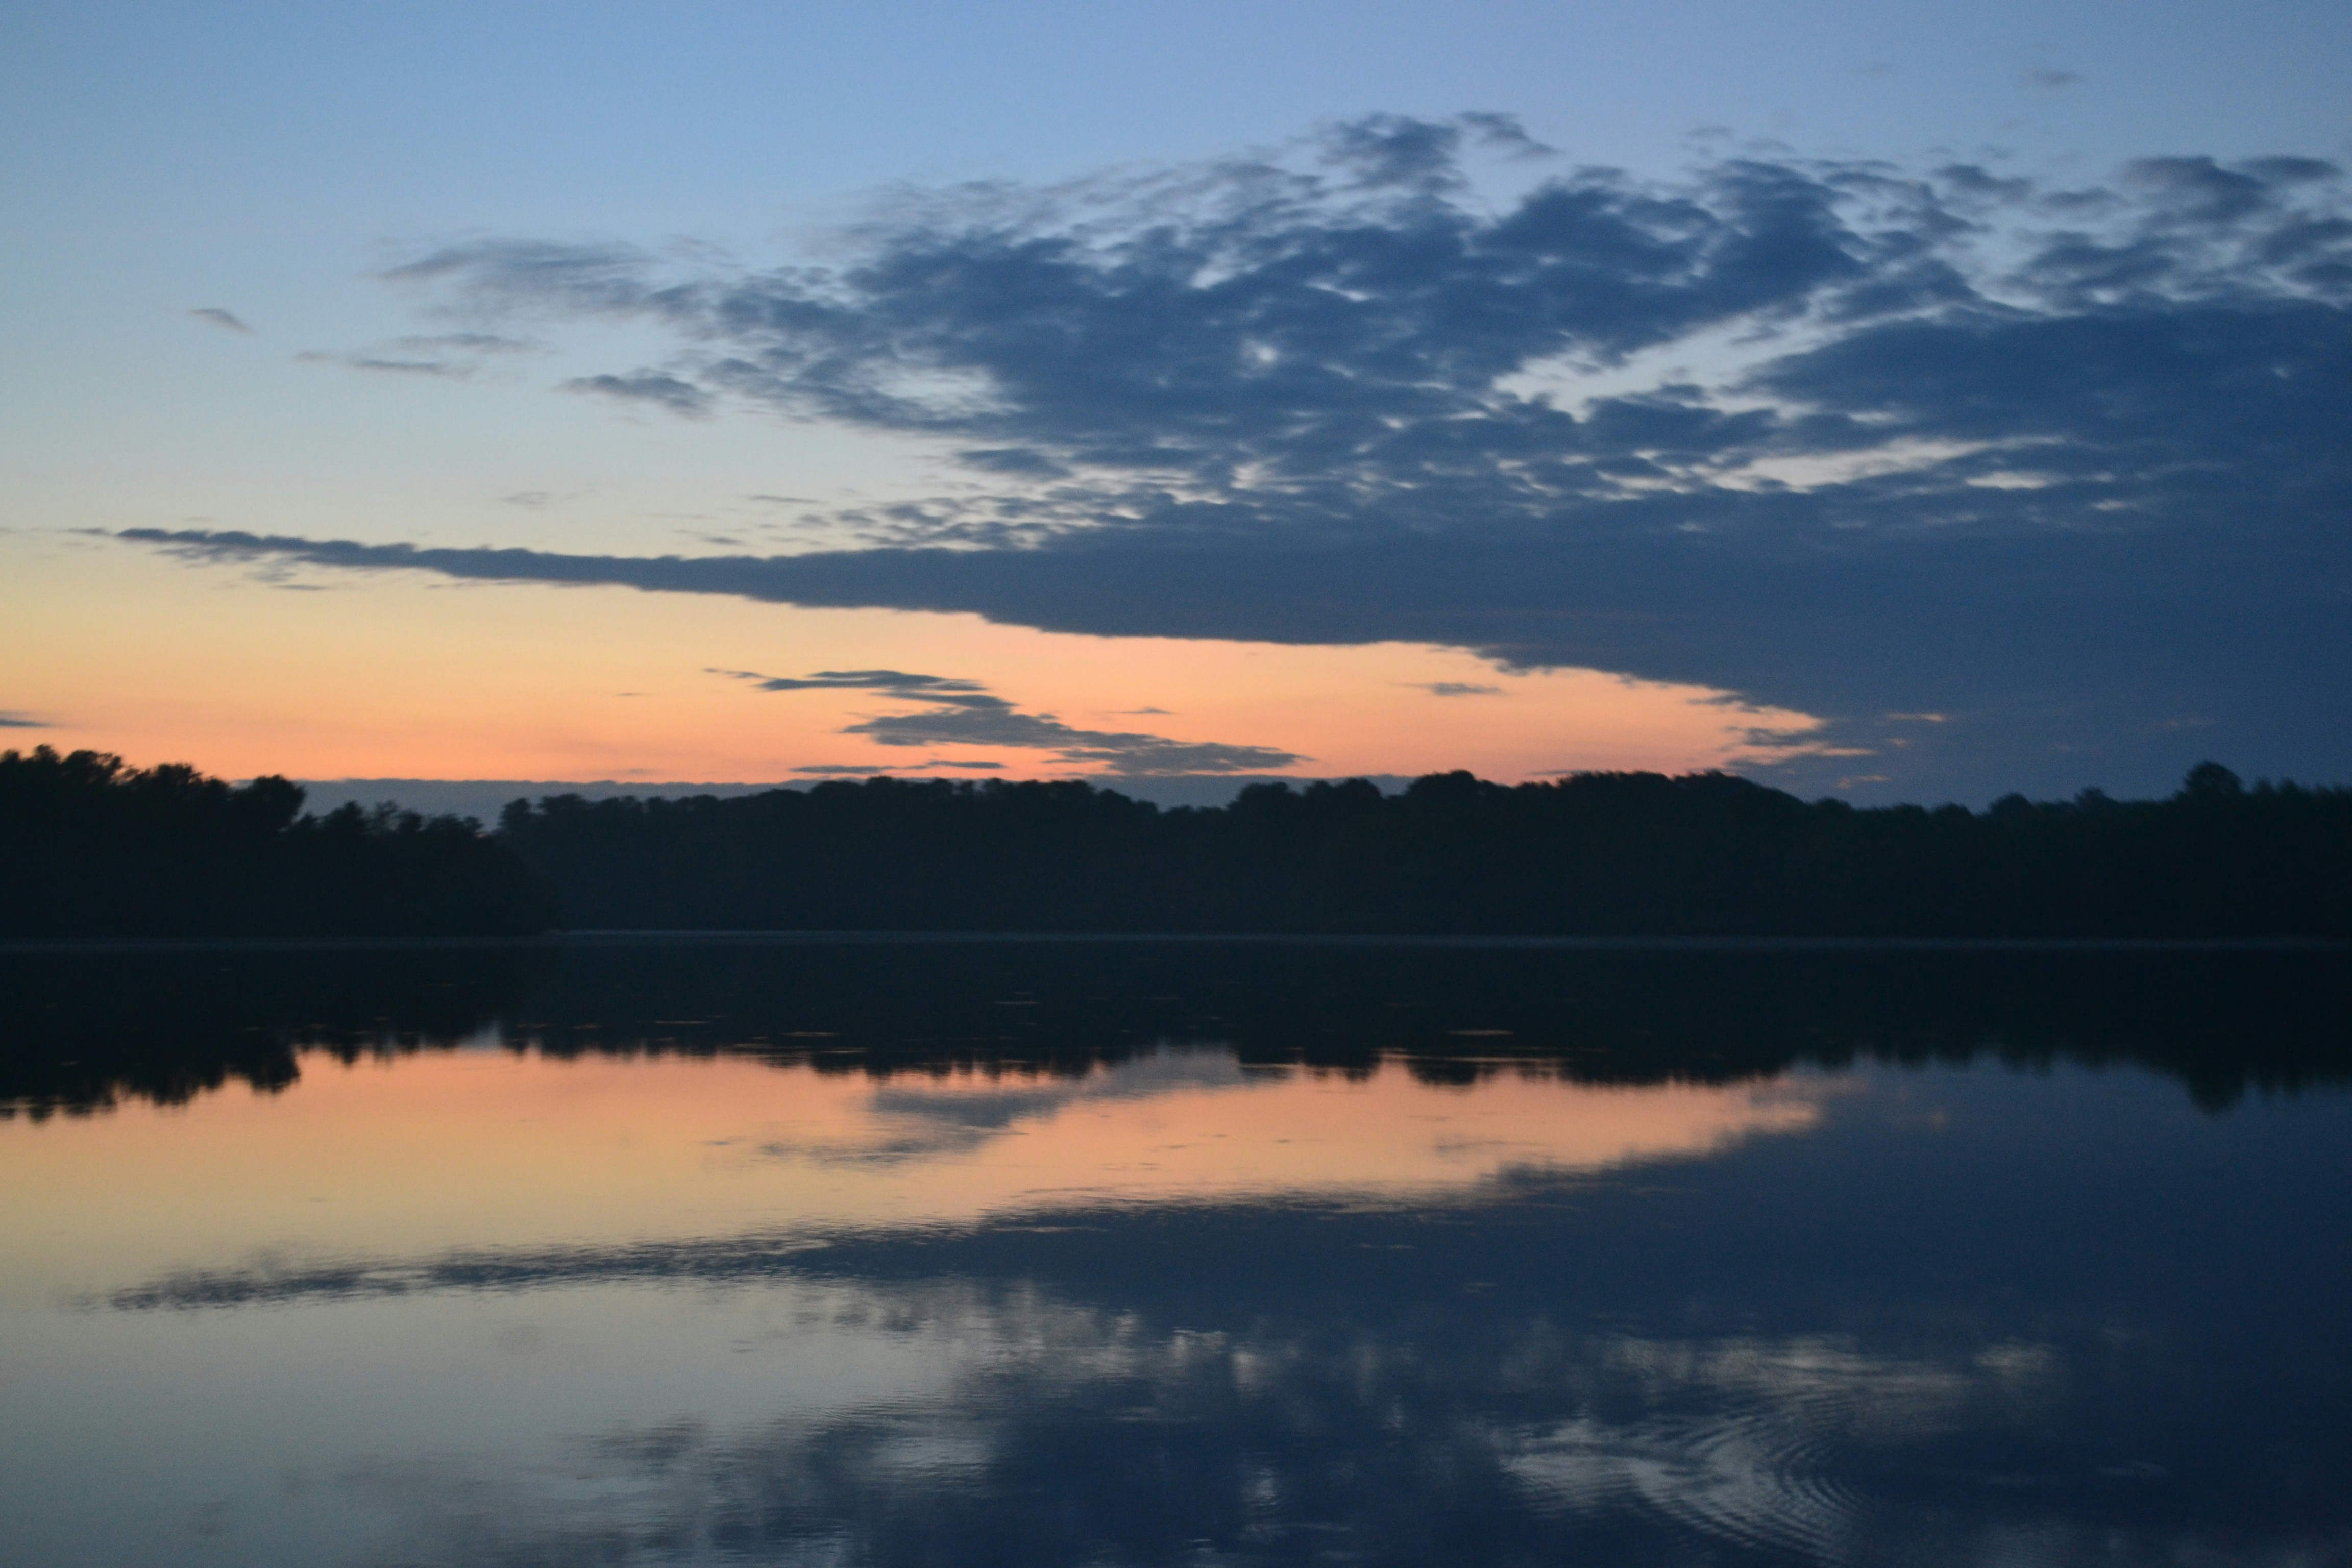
(91, 847)
(1604, 853)
(2221, 1021)
(85, 1031)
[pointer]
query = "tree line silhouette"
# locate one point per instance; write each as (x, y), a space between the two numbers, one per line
(90, 846)
(1597, 854)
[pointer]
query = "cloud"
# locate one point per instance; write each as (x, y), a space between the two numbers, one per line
(957, 712)
(2053, 80)
(1120, 752)
(454, 357)
(862, 770)
(20, 721)
(2056, 461)
(452, 370)
(220, 318)
(647, 386)
(1011, 460)
(467, 343)
(896, 682)
(1455, 688)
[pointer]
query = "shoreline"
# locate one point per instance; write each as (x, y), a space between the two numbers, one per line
(40, 947)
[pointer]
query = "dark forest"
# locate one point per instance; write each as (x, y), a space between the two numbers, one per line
(91, 847)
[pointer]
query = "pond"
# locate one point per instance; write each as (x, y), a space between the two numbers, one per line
(1149, 1252)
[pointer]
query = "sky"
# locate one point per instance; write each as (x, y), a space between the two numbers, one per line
(1882, 401)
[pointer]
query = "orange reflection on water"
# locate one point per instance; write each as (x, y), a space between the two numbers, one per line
(476, 1148)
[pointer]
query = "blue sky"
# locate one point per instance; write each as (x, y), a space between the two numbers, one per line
(481, 277)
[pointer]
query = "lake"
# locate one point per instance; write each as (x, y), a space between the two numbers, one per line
(903, 1252)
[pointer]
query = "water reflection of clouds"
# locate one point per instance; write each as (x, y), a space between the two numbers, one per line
(1766, 1462)
(1193, 1125)
(953, 1114)
(484, 1307)
(1845, 1348)
(839, 1160)
(1066, 1432)
(480, 1151)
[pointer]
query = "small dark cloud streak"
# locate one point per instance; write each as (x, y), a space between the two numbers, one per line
(450, 370)
(453, 356)
(958, 712)
(666, 392)
(896, 682)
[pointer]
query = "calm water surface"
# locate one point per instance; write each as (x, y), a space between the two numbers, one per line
(977, 1255)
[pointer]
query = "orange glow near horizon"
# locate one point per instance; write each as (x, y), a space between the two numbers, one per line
(478, 1148)
(404, 676)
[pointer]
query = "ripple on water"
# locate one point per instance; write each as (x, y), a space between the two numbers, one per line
(1772, 1466)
